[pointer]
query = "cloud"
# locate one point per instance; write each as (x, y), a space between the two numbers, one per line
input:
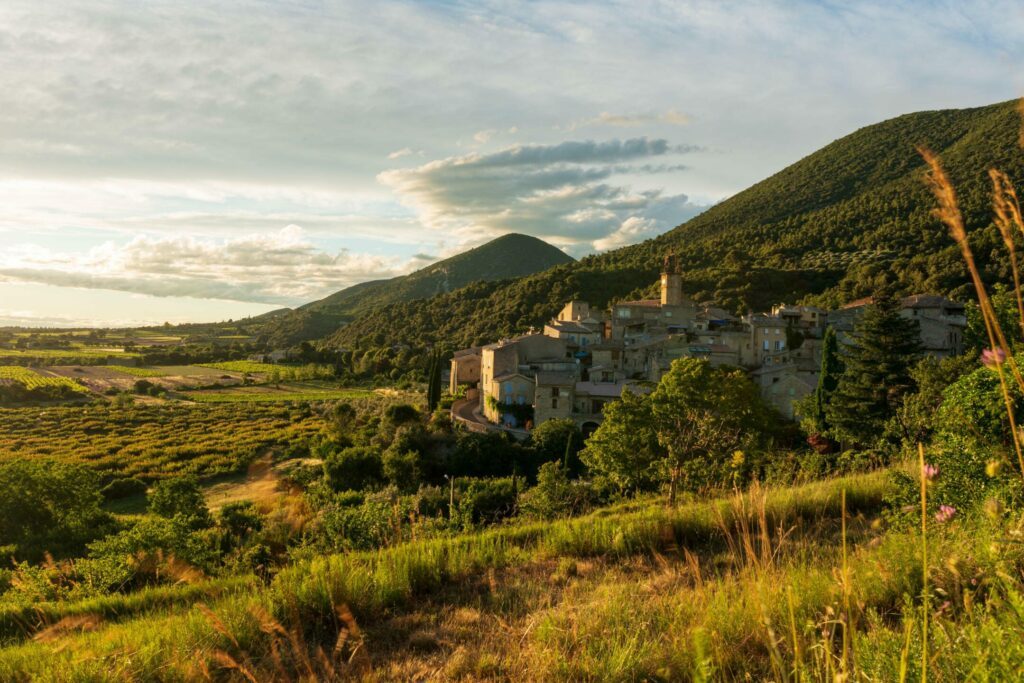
(671, 117)
(562, 192)
(398, 154)
(282, 267)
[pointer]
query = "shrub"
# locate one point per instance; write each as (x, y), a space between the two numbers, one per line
(48, 507)
(180, 498)
(353, 468)
(124, 488)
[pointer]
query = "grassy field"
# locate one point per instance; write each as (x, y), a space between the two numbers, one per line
(794, 584)
(154, 441)
(768, 585)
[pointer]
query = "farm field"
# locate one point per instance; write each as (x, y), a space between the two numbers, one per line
(102, 378)
(32, 379)
(270, 394)
(155, 441)
(81, 355)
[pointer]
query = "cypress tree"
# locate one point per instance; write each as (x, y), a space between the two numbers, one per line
(434, 381)
(828, 378)
(876, 377)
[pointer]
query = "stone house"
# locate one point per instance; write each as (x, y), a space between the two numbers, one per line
(465, 370)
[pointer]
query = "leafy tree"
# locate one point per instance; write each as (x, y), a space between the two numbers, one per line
(401, 469)
(702, 416)
(353, 469)
(48, 506)
(555, 494)
(560, 440)
(180, 498)
(625, 448)
(877, 371)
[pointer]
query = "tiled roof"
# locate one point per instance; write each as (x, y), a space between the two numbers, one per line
(650, 303)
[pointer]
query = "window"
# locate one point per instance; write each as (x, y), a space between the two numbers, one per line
(623, 312)
(764, 345)
(554, 404)
(554, 392)
(779, 345)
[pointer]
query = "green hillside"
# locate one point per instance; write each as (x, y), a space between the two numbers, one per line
(825, 229)
(509, 256)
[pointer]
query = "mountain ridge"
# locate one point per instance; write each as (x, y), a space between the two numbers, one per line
(826, 229)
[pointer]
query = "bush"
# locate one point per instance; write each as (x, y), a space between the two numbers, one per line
(486, 501)
(124, 488)
(48, 507)
(180, 498)
(353, 468)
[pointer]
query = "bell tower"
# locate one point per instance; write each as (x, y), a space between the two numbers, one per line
(671, 282)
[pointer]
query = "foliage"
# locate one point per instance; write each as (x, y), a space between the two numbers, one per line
(559, 440)
(877, 371)
(625, 447)
(180, 499)
(702, 416)
(353, 468)
(48, 506)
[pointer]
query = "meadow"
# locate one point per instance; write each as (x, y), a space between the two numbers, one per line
(803, 583)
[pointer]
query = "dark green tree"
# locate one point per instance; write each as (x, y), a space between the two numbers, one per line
(434, 382)
(353, 469)
(828, 379)
(48, 506)
(180, 498)
(877, 372)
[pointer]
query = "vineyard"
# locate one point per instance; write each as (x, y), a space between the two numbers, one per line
(69, 356)
(136, 372)
(276, 396)
(33, 381)
(246, 366)
(152, 442)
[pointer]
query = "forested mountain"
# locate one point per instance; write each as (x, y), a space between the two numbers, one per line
(825, 229)
(509, 256)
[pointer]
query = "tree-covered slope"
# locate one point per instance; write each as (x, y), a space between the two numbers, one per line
(509, 256)
(826, 229)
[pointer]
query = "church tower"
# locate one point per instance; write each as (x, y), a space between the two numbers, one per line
(671, 282)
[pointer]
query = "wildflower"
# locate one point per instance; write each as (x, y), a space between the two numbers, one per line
(931, 472)
(945, 513)
(993, 468)
(993, 508)
(992, 357)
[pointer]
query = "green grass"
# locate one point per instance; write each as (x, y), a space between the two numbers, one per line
(378, 585)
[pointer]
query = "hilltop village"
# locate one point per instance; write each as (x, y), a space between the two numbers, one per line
(585, 358)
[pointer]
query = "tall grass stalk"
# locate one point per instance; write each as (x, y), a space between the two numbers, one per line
(924, 565)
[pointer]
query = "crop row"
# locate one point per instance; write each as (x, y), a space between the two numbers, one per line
(152, 442)
(276, 396)
(32, 380)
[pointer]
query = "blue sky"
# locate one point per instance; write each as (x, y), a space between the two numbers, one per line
(203, 161)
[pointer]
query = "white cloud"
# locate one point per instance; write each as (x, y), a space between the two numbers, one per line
(561, 192)
(282, 267)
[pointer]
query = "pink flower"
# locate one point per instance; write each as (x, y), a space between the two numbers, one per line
(931, 472)
(992, 357)
(945, 513)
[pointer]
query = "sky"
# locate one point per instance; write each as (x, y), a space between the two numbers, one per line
(201, 161)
